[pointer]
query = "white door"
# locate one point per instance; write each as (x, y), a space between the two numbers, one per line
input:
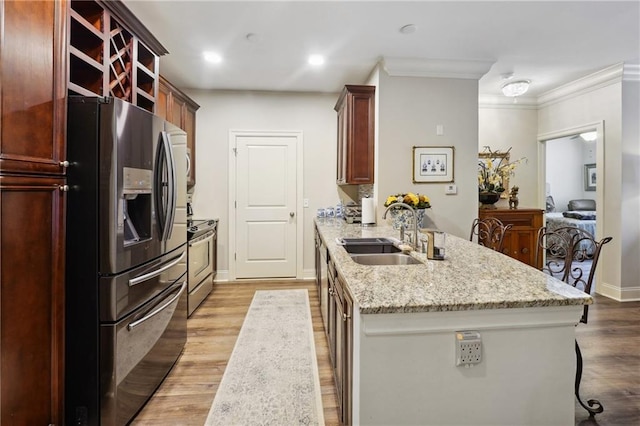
(266, 205)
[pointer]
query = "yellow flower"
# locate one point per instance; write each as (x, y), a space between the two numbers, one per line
(414, 200)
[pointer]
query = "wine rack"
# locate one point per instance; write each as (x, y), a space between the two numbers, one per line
(107, 58)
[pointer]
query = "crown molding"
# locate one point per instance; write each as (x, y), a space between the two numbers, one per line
(436, 68)
(597, 80)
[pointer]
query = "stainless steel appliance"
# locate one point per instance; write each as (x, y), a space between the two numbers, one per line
(202, 236)
(126, 277)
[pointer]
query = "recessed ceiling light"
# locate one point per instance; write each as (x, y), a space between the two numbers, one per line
(316, 60)
(212, 57)
(408, 29)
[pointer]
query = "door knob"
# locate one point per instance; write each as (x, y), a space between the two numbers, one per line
(291, 214)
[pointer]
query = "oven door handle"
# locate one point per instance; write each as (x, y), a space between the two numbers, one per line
(136, 323)
(148, 276)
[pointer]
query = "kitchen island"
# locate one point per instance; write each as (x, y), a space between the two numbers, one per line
(400, 341)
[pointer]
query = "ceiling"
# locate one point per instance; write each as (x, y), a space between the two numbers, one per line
(549, 43)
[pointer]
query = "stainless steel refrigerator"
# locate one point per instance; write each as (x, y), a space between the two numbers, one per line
(126, 298)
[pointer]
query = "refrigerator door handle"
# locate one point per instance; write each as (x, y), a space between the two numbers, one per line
(172, 194)
(136, 323)
(148, 276)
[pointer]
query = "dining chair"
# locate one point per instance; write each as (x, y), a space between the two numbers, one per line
(571, 255)
(489, 232)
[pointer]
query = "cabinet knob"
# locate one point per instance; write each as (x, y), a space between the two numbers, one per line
(291, 214)
(345, 317)
(64, 188)
(64, 163)
(525, 250)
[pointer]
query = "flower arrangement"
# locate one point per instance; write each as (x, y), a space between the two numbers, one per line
(416, 201)
(493, 171)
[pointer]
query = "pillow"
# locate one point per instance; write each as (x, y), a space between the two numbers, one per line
(583, 204)
(580, 215)
(551, 205)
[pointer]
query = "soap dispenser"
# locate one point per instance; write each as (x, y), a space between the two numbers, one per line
(435, 244)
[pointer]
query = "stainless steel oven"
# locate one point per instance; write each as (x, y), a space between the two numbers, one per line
(202, 254)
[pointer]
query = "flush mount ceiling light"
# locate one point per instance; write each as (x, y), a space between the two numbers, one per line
(515, 88)
(212, 57)
(316, 60)
(589, 136)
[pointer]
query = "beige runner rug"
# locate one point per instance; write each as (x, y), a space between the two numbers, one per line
(272, 375)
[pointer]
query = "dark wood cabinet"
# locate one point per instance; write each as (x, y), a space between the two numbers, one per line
(33, 60)
(356, 127)
(520, 241)
(339, 331)
(112, 54)
(176, 107)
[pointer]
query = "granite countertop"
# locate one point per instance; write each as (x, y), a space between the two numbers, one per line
(471, 277)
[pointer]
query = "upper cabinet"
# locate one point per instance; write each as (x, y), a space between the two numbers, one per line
(112, 54)
(356, 115)
(177, 108)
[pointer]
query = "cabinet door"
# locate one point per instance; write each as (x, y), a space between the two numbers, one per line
(162, 101)
(341, 172)
(33, 82)
(338, 366)
(347, 381)
(31, 300)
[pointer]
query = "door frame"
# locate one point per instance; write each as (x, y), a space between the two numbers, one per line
(233, 135)
(598, 127)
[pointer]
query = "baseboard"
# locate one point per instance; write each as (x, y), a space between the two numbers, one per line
(627, 294)
(307, 275)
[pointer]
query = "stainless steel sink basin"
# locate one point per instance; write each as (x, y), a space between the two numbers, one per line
(385, 259)
(369, 245)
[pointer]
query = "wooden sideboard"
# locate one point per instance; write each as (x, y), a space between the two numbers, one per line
(520, 241)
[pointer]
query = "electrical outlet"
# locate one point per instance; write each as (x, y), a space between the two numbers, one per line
(468, 348)
(451, 189)
(305, 203)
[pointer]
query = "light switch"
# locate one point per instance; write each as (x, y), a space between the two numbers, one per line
(439, 130)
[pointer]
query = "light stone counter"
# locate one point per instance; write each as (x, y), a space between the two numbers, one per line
(471, 277)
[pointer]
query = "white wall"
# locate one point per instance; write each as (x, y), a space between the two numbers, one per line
(605, 104)
(221, 111)
(514, 126)
(630, 193)
(409, 109)
(565, 160)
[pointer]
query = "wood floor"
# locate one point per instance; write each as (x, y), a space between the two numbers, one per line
(610, 345)
(186, 395)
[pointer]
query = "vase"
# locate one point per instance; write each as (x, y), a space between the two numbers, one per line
(488, 199)
(404, 218)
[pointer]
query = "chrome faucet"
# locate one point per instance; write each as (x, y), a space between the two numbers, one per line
(414, 241)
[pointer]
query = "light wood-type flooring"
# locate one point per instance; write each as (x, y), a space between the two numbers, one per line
(610, 345)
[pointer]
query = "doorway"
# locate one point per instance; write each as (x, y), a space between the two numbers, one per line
(265, 192)
(572, 169)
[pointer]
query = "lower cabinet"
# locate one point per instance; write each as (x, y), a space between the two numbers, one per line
(31, 299)
(339, 331)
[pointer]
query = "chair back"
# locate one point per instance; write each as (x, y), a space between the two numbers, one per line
(489, 232)
(568, 252)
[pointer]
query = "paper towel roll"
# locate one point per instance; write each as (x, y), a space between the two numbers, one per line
(368, 211)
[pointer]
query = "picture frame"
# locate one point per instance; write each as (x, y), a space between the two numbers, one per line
(433, 164)
(496, 157)
(590, 177)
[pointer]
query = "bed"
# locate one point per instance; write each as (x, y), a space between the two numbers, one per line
(580, 214)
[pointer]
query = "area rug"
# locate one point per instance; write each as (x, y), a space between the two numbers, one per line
(272, 375)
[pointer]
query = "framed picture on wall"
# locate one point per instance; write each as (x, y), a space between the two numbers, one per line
(432, 164)
(590, 177)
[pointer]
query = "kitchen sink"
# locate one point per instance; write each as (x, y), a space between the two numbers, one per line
(385, 259)
(369, 245)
